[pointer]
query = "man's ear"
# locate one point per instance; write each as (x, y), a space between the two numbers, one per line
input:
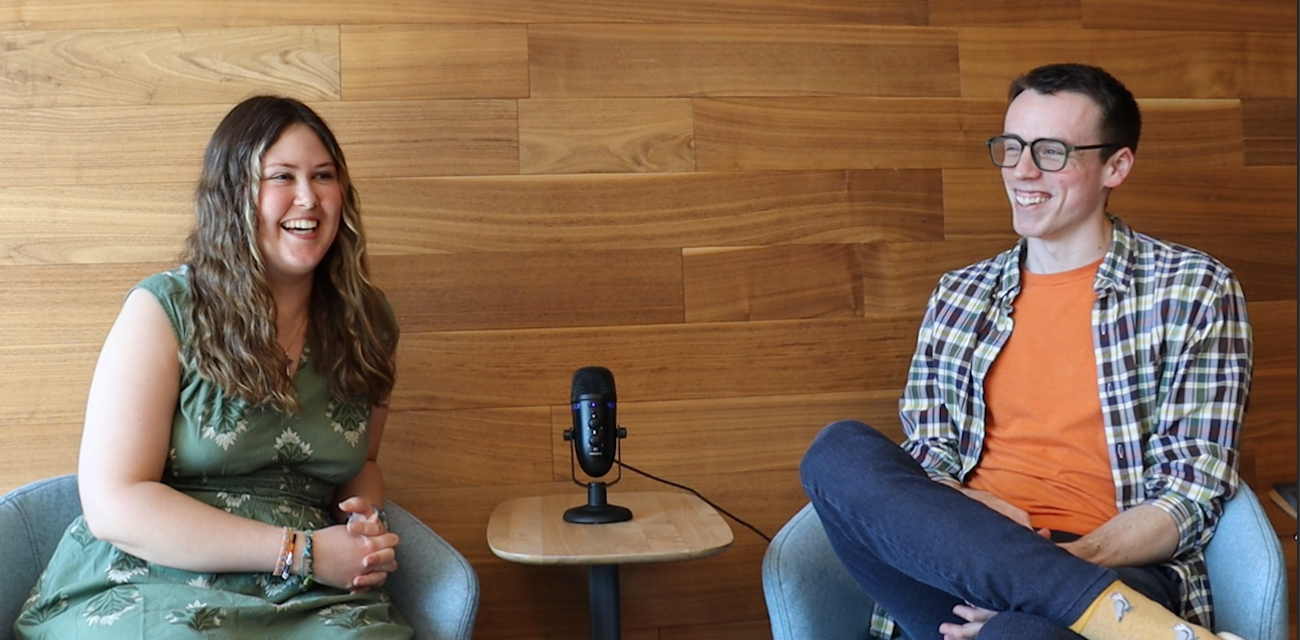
(1117, 167)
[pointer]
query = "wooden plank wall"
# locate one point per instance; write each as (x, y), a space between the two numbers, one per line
(739, 206)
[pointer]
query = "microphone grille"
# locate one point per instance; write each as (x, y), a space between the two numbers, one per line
(593, 380)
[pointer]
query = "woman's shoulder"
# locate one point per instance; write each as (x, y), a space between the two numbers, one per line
(172, 283)
(171, 290)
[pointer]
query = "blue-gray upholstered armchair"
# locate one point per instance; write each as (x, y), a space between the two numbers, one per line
(810, 596)
(436, 589)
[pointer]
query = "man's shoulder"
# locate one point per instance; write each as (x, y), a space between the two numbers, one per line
(1152, 257)
(987, 272)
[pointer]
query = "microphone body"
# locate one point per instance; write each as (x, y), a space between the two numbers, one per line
(595, 425)
(595, 435)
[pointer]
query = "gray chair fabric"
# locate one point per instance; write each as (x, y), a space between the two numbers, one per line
(435, 589)
(811, 596)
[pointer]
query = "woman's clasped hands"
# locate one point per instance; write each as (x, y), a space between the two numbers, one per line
(358, 555)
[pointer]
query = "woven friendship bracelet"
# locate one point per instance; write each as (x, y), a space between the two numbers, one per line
(307, 575)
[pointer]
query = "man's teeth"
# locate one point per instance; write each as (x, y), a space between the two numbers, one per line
(300, 225)
(1028, 200)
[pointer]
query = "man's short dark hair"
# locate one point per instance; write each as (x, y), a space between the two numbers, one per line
(1121, 122)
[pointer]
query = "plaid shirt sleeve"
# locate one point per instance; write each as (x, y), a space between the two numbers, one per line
(1191, 457)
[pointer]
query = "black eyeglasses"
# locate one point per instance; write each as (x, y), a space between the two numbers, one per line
(1048, 154)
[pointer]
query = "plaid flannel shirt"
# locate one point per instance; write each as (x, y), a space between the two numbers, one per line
(1173, 347)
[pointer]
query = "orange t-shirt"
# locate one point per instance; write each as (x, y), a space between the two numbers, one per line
(1045, 447)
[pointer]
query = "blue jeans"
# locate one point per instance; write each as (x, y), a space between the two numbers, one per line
(919, 548)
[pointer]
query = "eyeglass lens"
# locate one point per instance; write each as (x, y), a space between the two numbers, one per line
(1049, 155)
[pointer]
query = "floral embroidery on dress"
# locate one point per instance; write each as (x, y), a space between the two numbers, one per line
(290, 448)
(349, 419)
(198, 616)
(346, 616)
(226, 423)
(273, 586)
(233, 501)
(108, 607)
(81, 533)
(38, 610)
(124, 566)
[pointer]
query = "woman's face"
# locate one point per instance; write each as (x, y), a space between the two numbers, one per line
(299, 206)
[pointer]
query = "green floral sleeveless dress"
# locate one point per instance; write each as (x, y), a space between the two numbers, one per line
(253, 463)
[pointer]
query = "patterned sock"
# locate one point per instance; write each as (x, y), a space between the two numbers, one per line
(1121, 613)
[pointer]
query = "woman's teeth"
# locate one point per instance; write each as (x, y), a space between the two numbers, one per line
(1030, 200)
(300, 225)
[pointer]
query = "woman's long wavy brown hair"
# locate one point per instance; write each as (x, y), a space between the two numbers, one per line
(352, 338)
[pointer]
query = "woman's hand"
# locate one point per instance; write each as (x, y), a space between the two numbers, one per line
(355, 562)
(363, 517)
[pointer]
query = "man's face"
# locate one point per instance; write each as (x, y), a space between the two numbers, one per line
(1065, 205)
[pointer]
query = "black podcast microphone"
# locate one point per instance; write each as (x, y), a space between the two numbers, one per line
(595, 435)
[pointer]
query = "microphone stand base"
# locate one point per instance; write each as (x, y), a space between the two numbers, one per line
(597, 510)
(587, 514)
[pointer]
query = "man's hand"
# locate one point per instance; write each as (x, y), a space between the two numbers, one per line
(975, 618)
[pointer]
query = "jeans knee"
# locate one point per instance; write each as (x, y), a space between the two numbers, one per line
(840, 446)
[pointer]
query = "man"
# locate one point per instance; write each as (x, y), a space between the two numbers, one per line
(1071, 412)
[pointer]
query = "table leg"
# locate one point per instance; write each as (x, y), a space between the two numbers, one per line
(602, 593)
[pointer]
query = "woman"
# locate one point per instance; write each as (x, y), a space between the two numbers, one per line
(235, 417)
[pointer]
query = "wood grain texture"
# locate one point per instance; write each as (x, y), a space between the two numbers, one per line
(667, 526)
(1152, 64)
(64, 304)
(48, 449)
(772, 283)
(728, 436)
(94, 224)
(1192, 15)
(166, 66)
(454, 61)
(1023, 13)
(1164, 202)
(907, 201)
(480, 291)
(61, 146)
(424, 449)
(82, 14)
(445, 370)
(898, 277)
(45, 384)
(394, 139)
(740, 60)
(754, 134)
(1269, 131)
(617, 211)
(606, 135)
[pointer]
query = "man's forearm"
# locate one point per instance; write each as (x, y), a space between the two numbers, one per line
(1139, 536)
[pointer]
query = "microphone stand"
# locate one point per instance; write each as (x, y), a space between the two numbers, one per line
(597, 510)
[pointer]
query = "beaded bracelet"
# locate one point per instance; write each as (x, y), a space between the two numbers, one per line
(307, 576)
(284, 562)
